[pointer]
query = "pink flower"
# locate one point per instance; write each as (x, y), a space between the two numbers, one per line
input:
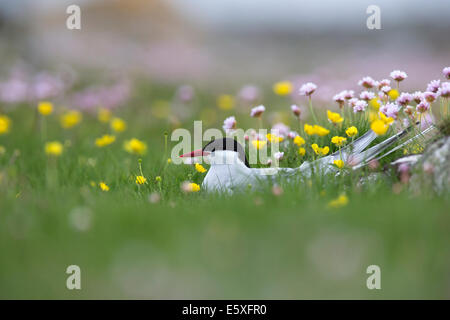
(417, 96)
(279, 155)
(444, 91)
(429, 96)
(409, 110)
(296, 110)
(307, 89)
(390, 110)
(339, 98)
(423, 106)
(348, 94)
(404, 98)
(185, 93)
(352, 102)
(249, 93)
(385, 89)
(360, 106)
(229, 124)
(280, 129)
(292, 134)
(383, 83)
(398, 75)
(446, 72)
(256, 112)
(433, 86)
(367, 82)
(367, 95)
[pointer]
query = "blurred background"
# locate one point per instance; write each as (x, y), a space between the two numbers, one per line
(225, 42)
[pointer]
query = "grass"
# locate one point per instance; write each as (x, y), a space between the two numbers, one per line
(198, 245)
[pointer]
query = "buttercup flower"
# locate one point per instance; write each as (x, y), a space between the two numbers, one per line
(256, 112)
(339, 163)
(299, 141)
(5, 124)
(118, 125)
(189, 187)
(340, 201)
(320, 151)
(296, 110)
(259, 144)
(338, 141)
(307, 89)
(316, 129)
(225, 102)
(104, 140)
(273, 137)
(398, 75)
(351, 131)
(141, 180)
(334, 117)
(367, 82)
(135, 146)
(393, 94)
(379, 127)
(282, 88)
(375, 103)
(104, 115)
(45, 108)
(54, 148)
(229, 124)
(301, 151)
(103, 186)
(70, 119)
(200, 168)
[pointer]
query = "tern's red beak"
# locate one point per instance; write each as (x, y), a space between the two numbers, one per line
(196, 153)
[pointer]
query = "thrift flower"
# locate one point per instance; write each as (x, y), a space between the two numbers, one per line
(141, 180)
(70, 119)
(200, 168)
(398, 75)
(367, 95)
(104, 140)
(390, 110)
(384, 83)
(229, 124)
(444, 91)
(103, 186)
(367, 82)
(135, 146)
(282, 88)
(417, 96)
(338, 141)
(279, 155)
(339, 163)
(433, 86)
(118, 125)
(340, 201)
(45, 108)
(446, 72)
(423, 106)
(296, 110)
(299, 141)
(360, 106)
(54, 148)
(351, 131)
(5, 124)
(334, 117)
(307, 89)
(104, 115)
(404, 98)
(225, 102)
(256, 112)
(429, 96)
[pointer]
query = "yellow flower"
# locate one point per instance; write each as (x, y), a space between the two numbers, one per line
(158, 179)
(140, 180)
(274, 138)
(301, 151)
(393, 94)
(282, 88)
(320, 151)
(339, 163)
(135, 146)
(103, 186)
(200, 168)
(118, 125)
(379, 127)
(225, 102)
(104, 140)
(190, 187)
(169, 160)
(104, 115)
(70, 119)
(338, 141)
(340, 201)
(351, 131)
(299, 141)
(309, 130)
(45, 108)
(5, 124)
(2, 150)
(375, 103)
(54, 148)
(259, 144)
(316, 129)
(334, 117)
(386, 120)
